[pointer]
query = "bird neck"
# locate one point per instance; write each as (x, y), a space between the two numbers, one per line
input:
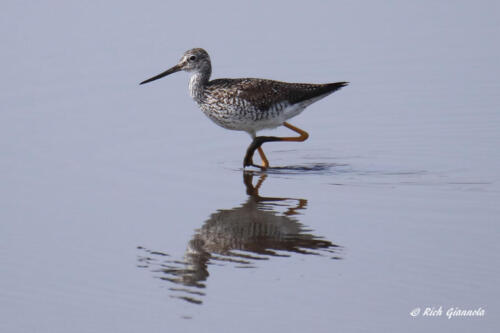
(197, 83)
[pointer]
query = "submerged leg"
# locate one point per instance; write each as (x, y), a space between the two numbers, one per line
(259, 140)
(256, 143)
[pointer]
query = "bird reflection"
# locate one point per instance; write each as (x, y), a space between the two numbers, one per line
(259, 229)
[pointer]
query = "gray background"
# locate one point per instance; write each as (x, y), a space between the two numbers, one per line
(93, 165)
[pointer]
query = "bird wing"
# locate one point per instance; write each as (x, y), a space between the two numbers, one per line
(263, 94)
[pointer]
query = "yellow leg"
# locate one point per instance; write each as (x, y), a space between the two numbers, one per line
(259, 140)
(265, 162)
(303, 134)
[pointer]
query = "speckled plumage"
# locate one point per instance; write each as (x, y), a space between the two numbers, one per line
(253, 104)
(247, 104)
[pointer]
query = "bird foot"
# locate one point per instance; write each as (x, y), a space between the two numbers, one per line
(248, 162)
(251, 164)
(261, 167)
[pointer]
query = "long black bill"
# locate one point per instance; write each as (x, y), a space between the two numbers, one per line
(174, 69)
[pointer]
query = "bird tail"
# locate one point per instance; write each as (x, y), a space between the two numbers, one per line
(335, 86)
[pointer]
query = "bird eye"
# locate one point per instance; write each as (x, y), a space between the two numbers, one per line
(192, 58)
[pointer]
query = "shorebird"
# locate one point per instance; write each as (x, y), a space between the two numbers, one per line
(248, 104)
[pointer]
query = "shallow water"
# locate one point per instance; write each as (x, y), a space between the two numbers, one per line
(124, 209)
(243, 236)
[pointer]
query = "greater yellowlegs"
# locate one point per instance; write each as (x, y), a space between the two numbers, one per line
(248, 104)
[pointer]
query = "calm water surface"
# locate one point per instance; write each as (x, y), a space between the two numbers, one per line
(123, 209)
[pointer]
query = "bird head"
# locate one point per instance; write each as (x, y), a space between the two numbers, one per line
(194, 60)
